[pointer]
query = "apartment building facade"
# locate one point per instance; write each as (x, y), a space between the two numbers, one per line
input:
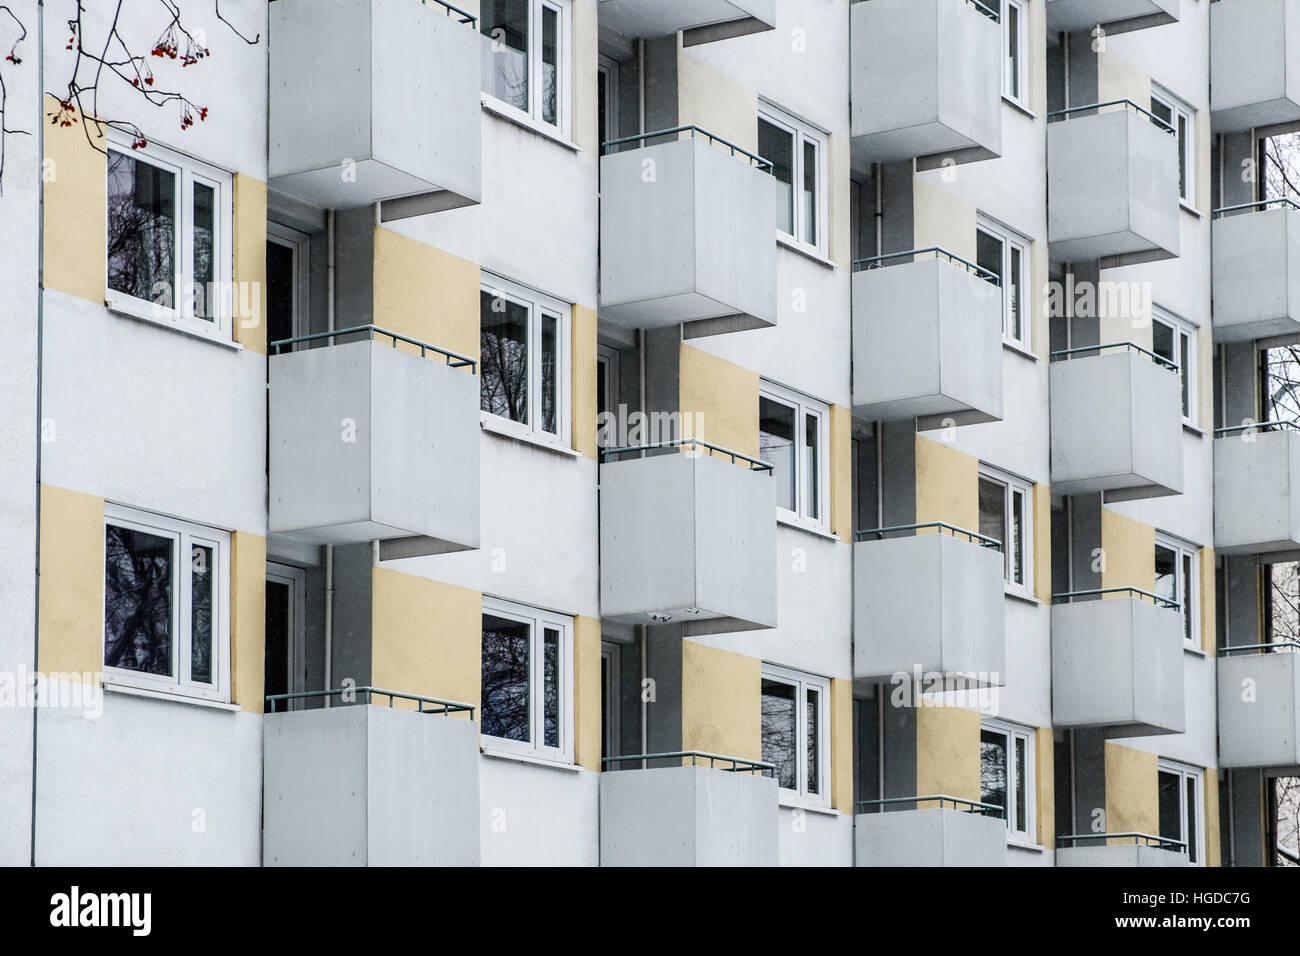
(620, 432)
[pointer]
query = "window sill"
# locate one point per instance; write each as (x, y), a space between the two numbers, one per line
(790, 803)
(1022, 596)
(799, 524)
(1190, 210)
(530, 759)
(1019, 107)
(494, 106)
(1020, 350)
(128, 309)
(489, 424)
(1193, 429)
(1195, 651)
(785, 242)
(131, 691)
(1013, 844)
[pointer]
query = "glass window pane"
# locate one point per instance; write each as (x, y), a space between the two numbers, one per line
(201, 582)
(1162, 340)
(1189, 581)
(503, 353)
(1016, 549)
(1184, 365)
(1014, 294)
(602, 106)
(550, 354)
(281, 290)
(1183, 152)
(776, 432)
(993, 519)
(810, 747)
(778, 727)
(205, 208)
(550, 65)
(777, 146)
(551, 687)
(1021, 823)
(1163, 112)
(138, 601)
(811, 450)
(505, 62)
(810, 192)
(1166, 572)
(988, 252)
(505, 691)
(1193, 816)
(141, 229)
(606, 718)
(1169, 800)
(1013, 50)
(993, 769)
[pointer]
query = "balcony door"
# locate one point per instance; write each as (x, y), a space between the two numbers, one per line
(286, 656)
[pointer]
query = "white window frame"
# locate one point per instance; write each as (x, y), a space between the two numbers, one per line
(533, 115)
(185, 535)
(1187, 557)
(607, 358)
(1021, 39)
(1013, 485)
(608, 68)
(802, 133)
(611, 654)
(296, 580)
(1187, 772)
(805, 406)
(300, 244)
(538, 619)
(1012, 241)
(1182, 117)
(1014, 732)
(181, 315)
(802, 683)
(1182, 329)
(538, 305)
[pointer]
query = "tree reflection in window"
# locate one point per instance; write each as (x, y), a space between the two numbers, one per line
(779, 734)
(505, 67)
(141, 229)
(137, 601)
(201, 558)
(505, 678)
(503, 351)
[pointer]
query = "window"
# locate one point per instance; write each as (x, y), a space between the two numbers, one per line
(1179, 801)
(1177, 116)
(797, 152)
(165, 599)
(525, 65)
(607, 391)
(169, 250)
(1175, 340)
(288, 257)
(1007, 775)
(607, 98)
(1006, 256)
(792, 436)
(1177, 580)
(610, 674)
(1015, 49)
(527, 691)
(1006, 514)
(795, 733)
(524, 360)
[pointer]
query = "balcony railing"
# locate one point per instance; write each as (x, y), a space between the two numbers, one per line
(1291, 646)
(696, 757)
(978, 807)
(941, 527)
(1139, 839)
(1260, 204)
(938, 252)
(713, 139)
(1277, 425)
(453, 359)
(453, 11)
(1057, 116)
(755, 464)
(436, 705)
(1066, 354)
(1067, 597)
(991, 14)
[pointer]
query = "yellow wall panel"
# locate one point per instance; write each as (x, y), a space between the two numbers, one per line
(1209, 607)
(941, 219)
(947, 485)
(250, 261)
(1131, 791)
(1043, 542)
(71, 614)
(1130, 550)
(1045, 790)
(721, 701)
(1213, 852)
(584, 382)
(719, 104)
(841, 710)
(588, 715)
(948, 752)
(1117, 79)
(585, 130)
(426, 293)
(248, 620)
(722, 399)
(841, 461)
(76, 203)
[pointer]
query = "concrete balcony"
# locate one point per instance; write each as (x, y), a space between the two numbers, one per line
(674, 815)
(1120, 849)
(1116, 423)
(360, 785)
(688, 537)
(1255, 64)
(1256, 269)
(926, 82)
(1259, 708)
(967, 833)
(1114, 16)
(930, 602)
(945, 315)
(1112, 186)
(1117, 663)
(700, 21)
(1257, 489)
(687, 235)
(373, 100)
(371, 441)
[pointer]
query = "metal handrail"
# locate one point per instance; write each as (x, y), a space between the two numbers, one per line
(973, 806)
(1261, 204)
(980, 271)
(1156, 120)
(1233, 648)
(1278, 424)
(454, 359)
(755, 464)
(754, 158)
(1158, 600)
(991, 14)
(1131, 346)
(738, 764)
(437, 704)
(1160, 843)
(454, 11)
(974, 537)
